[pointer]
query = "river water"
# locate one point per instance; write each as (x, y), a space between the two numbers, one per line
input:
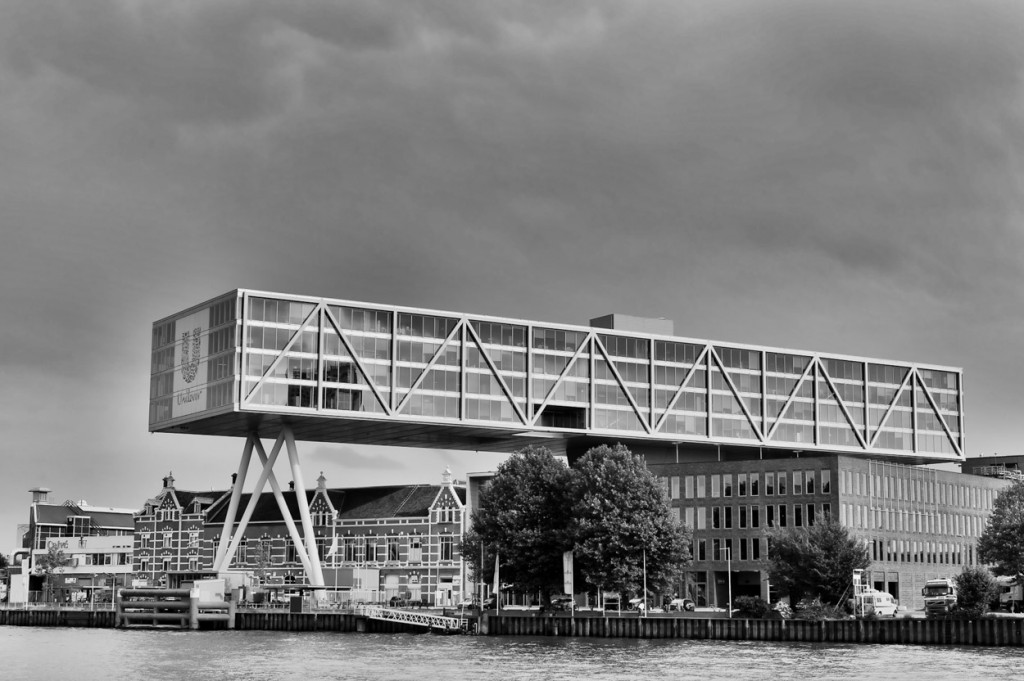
(116, 655)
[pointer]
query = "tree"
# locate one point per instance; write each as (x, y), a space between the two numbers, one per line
(816, 561)
(1002, 542)
(976, 589)
(54, 560)
(523, 517)
(619, 517)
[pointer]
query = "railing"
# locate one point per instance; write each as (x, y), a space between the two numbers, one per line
(409, 617)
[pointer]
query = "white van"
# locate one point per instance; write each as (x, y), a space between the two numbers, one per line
(881, 603)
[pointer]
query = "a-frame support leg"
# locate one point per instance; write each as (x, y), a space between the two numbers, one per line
(232, 535)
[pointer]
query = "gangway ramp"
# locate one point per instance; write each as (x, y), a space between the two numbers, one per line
(445, 624)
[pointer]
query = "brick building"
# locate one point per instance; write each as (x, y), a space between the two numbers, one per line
(918, 522)
(374, 543)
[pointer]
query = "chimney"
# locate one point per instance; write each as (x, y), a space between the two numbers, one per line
(40, 494)
(321, 483)
(169, 481)
(291, 485)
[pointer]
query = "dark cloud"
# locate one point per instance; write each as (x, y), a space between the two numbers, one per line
(841, 176)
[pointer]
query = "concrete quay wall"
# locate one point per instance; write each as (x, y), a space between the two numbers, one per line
(986, 632)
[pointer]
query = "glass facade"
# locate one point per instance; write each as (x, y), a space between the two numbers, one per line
(324, 357)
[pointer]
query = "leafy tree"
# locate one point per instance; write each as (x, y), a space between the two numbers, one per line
(4, 562)
(976, 589)
(619, 514)
(1002, 542)
(523, 516)
(816, 561)
(54, 560)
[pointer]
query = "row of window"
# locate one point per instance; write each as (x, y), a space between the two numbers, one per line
(747, 548)
(863, 517)
(726, 485)
(744, 517)
(922, 552)
(906, 484)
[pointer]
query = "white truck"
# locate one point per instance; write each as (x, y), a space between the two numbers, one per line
(939, 595)
(1011, 594)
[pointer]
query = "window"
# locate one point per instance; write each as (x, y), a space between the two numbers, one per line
(675, 487)
(165, 565)
(349, 550)
(193, 540)
(769, 515)
(743, 549)
(392, 548)
(826, 482)
(810, 515)
(446, 547)
(716, 486)
(688, 487)
(755, 517)
(727, 485)
(798, 482)
(798, 515)
(370, 549)
(144, 540)
(716, 518)
(728, 517)
(702, 517)
(193, 563)
(769, 484)
(241, 551)
(743, 517)
(144, 565)
(689, 517)
(809, 481)
(416, 549)
(782, 515)
(782, 483)
(290, 554)
(754, 491)
(755, 549)
(702, 549)
(700, 486)
(741, 484)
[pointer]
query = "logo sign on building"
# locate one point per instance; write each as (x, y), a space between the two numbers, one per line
(190, 351)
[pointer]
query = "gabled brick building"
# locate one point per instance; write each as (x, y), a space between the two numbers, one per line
(374, 543)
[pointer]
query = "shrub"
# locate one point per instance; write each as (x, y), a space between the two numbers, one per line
(976, 589)
(753, 607)
(808, 609)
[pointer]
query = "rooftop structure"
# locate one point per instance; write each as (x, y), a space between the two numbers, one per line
(341, 371)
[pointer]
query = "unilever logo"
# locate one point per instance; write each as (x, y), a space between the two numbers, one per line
(190, 354)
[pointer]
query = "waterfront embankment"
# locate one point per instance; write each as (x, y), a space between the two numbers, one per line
(985, 632)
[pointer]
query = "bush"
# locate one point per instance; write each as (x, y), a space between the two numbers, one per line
(976, 589)
(808, 609)
(752, 607)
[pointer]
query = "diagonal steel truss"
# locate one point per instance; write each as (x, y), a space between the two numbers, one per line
(528, 408)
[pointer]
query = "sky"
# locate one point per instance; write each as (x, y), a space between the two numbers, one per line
(843, 177)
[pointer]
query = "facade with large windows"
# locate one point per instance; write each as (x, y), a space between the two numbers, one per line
(340, 371)
(917, 522)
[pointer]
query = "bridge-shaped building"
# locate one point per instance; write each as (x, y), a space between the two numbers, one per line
(255, 364)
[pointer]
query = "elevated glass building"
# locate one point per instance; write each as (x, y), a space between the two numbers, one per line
(342, 371)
